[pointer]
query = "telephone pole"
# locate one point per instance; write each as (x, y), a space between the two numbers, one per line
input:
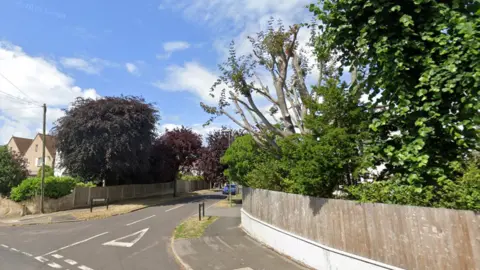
(43, 156)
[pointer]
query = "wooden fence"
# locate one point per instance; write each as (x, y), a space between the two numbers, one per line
(403, 236)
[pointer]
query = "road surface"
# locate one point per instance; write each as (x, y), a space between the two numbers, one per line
(138, 240)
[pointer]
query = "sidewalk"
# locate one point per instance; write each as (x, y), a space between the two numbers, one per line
(98, 212)
(225, 246)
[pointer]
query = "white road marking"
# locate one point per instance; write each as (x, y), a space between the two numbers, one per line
(71, 262)
(140, 220)
(55, 265)
(83, 267)
(5, 246)
(245, 268)
(225, 243)
(26, 253)
(57, 256)
(14, 249)
(173, 208)
(41, 259)
(74, 244)
(127, 244)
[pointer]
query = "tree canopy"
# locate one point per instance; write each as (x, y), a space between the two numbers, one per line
(420, 58)
(107, 139)
(209, 164)
(13, 169)
(185, 146)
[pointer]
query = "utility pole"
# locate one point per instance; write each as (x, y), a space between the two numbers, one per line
(43, 155)
(229, 183)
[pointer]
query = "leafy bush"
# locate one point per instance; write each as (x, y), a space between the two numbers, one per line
(48, 172)
(13, 168)
(461, 194)
(391, 192)
(192, 177)
(55, 187)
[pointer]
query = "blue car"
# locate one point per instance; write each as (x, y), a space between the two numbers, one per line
(233, 189)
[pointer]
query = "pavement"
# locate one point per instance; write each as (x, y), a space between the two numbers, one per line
(137, 240)
(225, 246)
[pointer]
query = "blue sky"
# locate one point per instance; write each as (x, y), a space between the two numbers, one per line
(166, 51)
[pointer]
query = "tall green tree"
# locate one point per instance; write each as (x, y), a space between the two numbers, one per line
(420, 58)
(107, 139)
(13, 169)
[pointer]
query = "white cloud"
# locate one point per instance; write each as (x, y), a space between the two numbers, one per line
(191, 77)
(132, 68)
(173, 46)
(42, 82)
(89, 66)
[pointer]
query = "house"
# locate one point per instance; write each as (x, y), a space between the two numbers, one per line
(19, 145)
(31, 150)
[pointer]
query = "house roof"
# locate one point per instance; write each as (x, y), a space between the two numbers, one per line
(49, 143)
(22, 143)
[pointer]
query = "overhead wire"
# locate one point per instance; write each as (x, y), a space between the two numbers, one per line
(22, 108)
(17, 99)
(18, 88)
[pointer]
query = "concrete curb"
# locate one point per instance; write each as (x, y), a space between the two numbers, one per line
(179, 260)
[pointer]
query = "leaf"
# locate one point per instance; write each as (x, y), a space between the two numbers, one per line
(406, 20)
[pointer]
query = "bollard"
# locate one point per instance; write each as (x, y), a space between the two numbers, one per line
(203, 209)
(199, 211)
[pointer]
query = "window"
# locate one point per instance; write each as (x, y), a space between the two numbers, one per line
(39, 162)
(36, 147)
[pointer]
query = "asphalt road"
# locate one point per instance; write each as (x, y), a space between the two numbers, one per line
(138, 240)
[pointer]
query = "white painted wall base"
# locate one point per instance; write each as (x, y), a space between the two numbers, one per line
(304, 250)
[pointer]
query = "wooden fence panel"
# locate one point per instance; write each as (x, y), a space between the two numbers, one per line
(404, 236)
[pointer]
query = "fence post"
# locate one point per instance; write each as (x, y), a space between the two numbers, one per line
(89, 194)
(74, 195)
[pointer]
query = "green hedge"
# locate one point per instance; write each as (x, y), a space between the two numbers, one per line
(55, 187)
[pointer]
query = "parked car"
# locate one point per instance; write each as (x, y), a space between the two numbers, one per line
(233, 188)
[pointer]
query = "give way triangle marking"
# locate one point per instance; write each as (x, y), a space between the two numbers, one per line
(118, 243)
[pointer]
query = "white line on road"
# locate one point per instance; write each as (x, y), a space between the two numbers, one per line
(74, 244)
(140, 220)
(83, 267)
(14, 249)
(173, 208)
(71, 262)
(55, 265)
(245, 268)
(41, 259)
(57, 256)
(5, 246)
(26, 253)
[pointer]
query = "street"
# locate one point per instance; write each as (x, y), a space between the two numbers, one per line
(138, 240)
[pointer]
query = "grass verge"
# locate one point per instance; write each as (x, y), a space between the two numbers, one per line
(192, 227)
(236, 199)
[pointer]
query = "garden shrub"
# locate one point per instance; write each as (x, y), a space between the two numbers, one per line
(55, 187)
(48, 172)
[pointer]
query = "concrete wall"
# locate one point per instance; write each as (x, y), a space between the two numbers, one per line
(339, 234)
